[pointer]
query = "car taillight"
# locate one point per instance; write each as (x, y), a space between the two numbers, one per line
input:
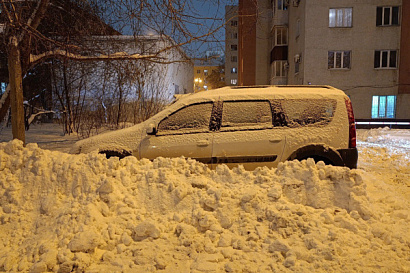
(352, 124)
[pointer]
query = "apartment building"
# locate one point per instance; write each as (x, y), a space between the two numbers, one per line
(231, 45)
(357, 46)
(209, 72)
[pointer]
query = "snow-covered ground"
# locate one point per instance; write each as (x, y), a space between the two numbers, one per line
(84, 213)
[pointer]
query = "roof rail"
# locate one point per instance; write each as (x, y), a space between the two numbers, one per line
(305, 86)
(283, 86)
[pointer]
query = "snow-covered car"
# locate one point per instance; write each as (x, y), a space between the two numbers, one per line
(252, 126)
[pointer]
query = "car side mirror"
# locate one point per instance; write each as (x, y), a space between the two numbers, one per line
(151, 130)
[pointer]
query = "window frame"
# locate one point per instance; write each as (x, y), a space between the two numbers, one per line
(376, 102)
(282, 72)
(234, 47)
(380, 16)
(297, 32)
(342, 59)
(344, 24)
(283, 31)
(388, 59)
(282, 4)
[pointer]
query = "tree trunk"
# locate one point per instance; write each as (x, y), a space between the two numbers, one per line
(16, 90)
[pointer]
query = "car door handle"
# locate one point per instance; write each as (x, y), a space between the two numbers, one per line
(277, 140)
(202, 143)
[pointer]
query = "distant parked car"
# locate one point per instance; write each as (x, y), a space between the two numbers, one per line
(253, 126)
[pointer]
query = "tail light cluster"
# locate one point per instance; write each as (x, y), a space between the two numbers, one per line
(352, 124)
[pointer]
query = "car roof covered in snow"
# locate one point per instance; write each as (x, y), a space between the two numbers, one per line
(265, 91)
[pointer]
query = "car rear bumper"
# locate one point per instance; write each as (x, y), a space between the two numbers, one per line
(349, 157)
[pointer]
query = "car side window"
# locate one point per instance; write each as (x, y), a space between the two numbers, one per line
(243, 115)
(308, 112)
(194, 118)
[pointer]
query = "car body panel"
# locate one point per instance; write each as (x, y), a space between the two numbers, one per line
(294, 124)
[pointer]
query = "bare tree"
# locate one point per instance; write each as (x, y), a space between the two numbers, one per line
(37, 31)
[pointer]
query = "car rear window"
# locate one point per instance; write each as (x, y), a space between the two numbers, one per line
(193, 118)
(308, 111)
(246, 114)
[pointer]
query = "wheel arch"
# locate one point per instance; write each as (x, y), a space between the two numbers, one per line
(318, 152)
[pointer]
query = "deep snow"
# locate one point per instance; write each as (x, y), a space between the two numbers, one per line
(84, 213)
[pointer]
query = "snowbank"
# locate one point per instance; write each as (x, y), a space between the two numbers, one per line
(84, 213)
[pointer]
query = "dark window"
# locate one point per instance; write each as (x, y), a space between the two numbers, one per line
(234, 47)
(338, 59)
(387, 16)
(191, 119)
(234, 23)
(385, 59)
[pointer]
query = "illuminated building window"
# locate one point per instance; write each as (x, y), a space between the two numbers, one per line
(341, 17)
(384, 107)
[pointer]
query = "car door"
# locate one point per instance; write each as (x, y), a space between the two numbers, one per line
(247, 135)
(185, 132)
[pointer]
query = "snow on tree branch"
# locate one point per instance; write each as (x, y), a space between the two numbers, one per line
(58, 53)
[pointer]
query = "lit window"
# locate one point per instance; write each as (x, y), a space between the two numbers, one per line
(234, 47)
(234, 81)
(206, 72)
(338, 60)
(234, 70)
(387, 16)
(281, 36)
(385, 59)
(384, 107)
(341, 17)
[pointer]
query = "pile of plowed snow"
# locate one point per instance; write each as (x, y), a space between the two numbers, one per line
(86, 213)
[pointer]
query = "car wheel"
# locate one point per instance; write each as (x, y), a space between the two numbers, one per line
(120, 155)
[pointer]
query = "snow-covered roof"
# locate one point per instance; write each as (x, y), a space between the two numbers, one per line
(258, 92)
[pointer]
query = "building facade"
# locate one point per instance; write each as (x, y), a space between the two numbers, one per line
(357, 46)
(231, 45)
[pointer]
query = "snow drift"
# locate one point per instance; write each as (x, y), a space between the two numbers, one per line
(85, 213)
